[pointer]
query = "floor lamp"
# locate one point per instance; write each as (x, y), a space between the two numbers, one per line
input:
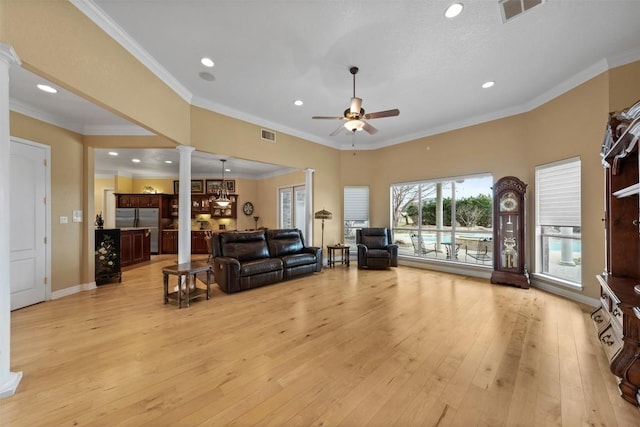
(323, 214)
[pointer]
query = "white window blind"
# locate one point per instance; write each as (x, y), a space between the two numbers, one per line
(356, 203)
(558, 194)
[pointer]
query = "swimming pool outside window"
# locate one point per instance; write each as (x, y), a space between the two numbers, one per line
(558, 220)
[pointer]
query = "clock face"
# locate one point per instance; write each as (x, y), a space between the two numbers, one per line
(508, 203)
(247, 208)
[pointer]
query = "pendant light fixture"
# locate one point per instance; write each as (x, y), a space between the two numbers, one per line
(223, 196)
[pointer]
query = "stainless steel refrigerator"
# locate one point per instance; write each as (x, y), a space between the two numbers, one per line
(141, 218)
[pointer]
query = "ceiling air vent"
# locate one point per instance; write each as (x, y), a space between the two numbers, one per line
(268, 135)
(512, 8)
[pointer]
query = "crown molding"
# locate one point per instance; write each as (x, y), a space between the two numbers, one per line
(128, 130)
(258, 121)
(36, 113)
(109, 26)
(9, 55)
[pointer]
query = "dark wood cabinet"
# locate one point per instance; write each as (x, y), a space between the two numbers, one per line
(169, 242)
(617, 319)
(198, 242)
(199, 204)
(135, 246)
(128, 200)
(140, 200)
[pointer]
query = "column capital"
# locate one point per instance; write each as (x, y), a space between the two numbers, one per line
(185, 148)
(8, 55)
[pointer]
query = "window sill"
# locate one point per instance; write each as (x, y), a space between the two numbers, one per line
(446, 266)
(546, 280)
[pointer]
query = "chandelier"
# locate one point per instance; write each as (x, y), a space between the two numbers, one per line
(222, 198)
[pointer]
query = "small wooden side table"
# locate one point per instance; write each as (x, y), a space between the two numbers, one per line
(187, 270)
(344, 255)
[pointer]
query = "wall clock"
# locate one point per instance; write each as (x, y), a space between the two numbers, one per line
(509, 232)
(247, 208)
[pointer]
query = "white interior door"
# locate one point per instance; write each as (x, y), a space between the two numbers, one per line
(109, 207)
(28, 182)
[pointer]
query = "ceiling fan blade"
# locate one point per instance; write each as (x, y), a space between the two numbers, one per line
(356, 105)
(337, 131)
(379, 114)
(369, 129)
(328, 117)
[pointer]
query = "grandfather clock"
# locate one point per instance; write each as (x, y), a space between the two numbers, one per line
(509, 232)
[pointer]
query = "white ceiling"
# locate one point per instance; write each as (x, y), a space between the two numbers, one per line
(268, 53)
(203, 165)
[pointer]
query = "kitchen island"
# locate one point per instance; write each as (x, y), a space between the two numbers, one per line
(135, 245)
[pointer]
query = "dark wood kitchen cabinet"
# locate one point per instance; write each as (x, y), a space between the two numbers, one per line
(135, 246)
(169, 241)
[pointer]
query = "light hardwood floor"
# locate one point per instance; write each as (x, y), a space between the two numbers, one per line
(347, 347)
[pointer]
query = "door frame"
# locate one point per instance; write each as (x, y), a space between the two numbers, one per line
(47, 208)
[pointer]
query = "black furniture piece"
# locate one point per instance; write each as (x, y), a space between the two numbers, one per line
(107, 256)
(248, 259)
(376, 249)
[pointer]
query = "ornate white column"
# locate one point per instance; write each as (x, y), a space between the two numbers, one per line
(184, 209)
(308, 206)
(8, 380)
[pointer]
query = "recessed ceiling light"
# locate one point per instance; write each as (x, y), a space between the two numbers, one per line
(298, 102)
(168, 161)
(207, 62)
(487, 85)
(227, 170)
(135, 160)
(453, 10)
(113, 153)
(47, 88)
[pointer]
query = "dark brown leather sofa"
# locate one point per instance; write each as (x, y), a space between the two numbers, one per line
(248, 259)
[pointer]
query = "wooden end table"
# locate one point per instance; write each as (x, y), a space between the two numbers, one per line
(187, 270)
(344, 255)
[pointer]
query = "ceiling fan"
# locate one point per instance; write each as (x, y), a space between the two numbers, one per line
(355, 115)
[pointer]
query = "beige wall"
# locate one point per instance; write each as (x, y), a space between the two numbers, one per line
(55, 40)
(45, 36)
(66, 196)
(101, 184)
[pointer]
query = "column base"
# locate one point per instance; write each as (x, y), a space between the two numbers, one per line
(9, 387)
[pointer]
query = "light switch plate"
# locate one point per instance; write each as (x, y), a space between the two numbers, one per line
(64, 219)
(77, 216)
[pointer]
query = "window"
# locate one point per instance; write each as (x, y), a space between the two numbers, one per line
(356, 212)
(422, 213)
(291, 204)
(558, 239)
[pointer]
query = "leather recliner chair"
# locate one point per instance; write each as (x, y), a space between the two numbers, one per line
(376, 249)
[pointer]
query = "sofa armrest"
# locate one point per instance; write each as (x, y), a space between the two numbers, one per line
(226, 272)
(317, 251)
(393, 251)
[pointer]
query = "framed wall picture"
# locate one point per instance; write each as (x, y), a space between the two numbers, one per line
(231, 185)
(176, 187)
(197, 186)
(213, 186)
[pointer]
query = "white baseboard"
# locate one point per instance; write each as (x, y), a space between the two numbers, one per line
(73, 290)
(483, 273)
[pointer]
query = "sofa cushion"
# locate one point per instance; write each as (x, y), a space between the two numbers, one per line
(284, 242)
(260, 266)
(378, 253)
(374, 242)
(244, 246)
(296, 260)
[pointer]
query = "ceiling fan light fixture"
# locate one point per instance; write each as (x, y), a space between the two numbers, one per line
(354, 125)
